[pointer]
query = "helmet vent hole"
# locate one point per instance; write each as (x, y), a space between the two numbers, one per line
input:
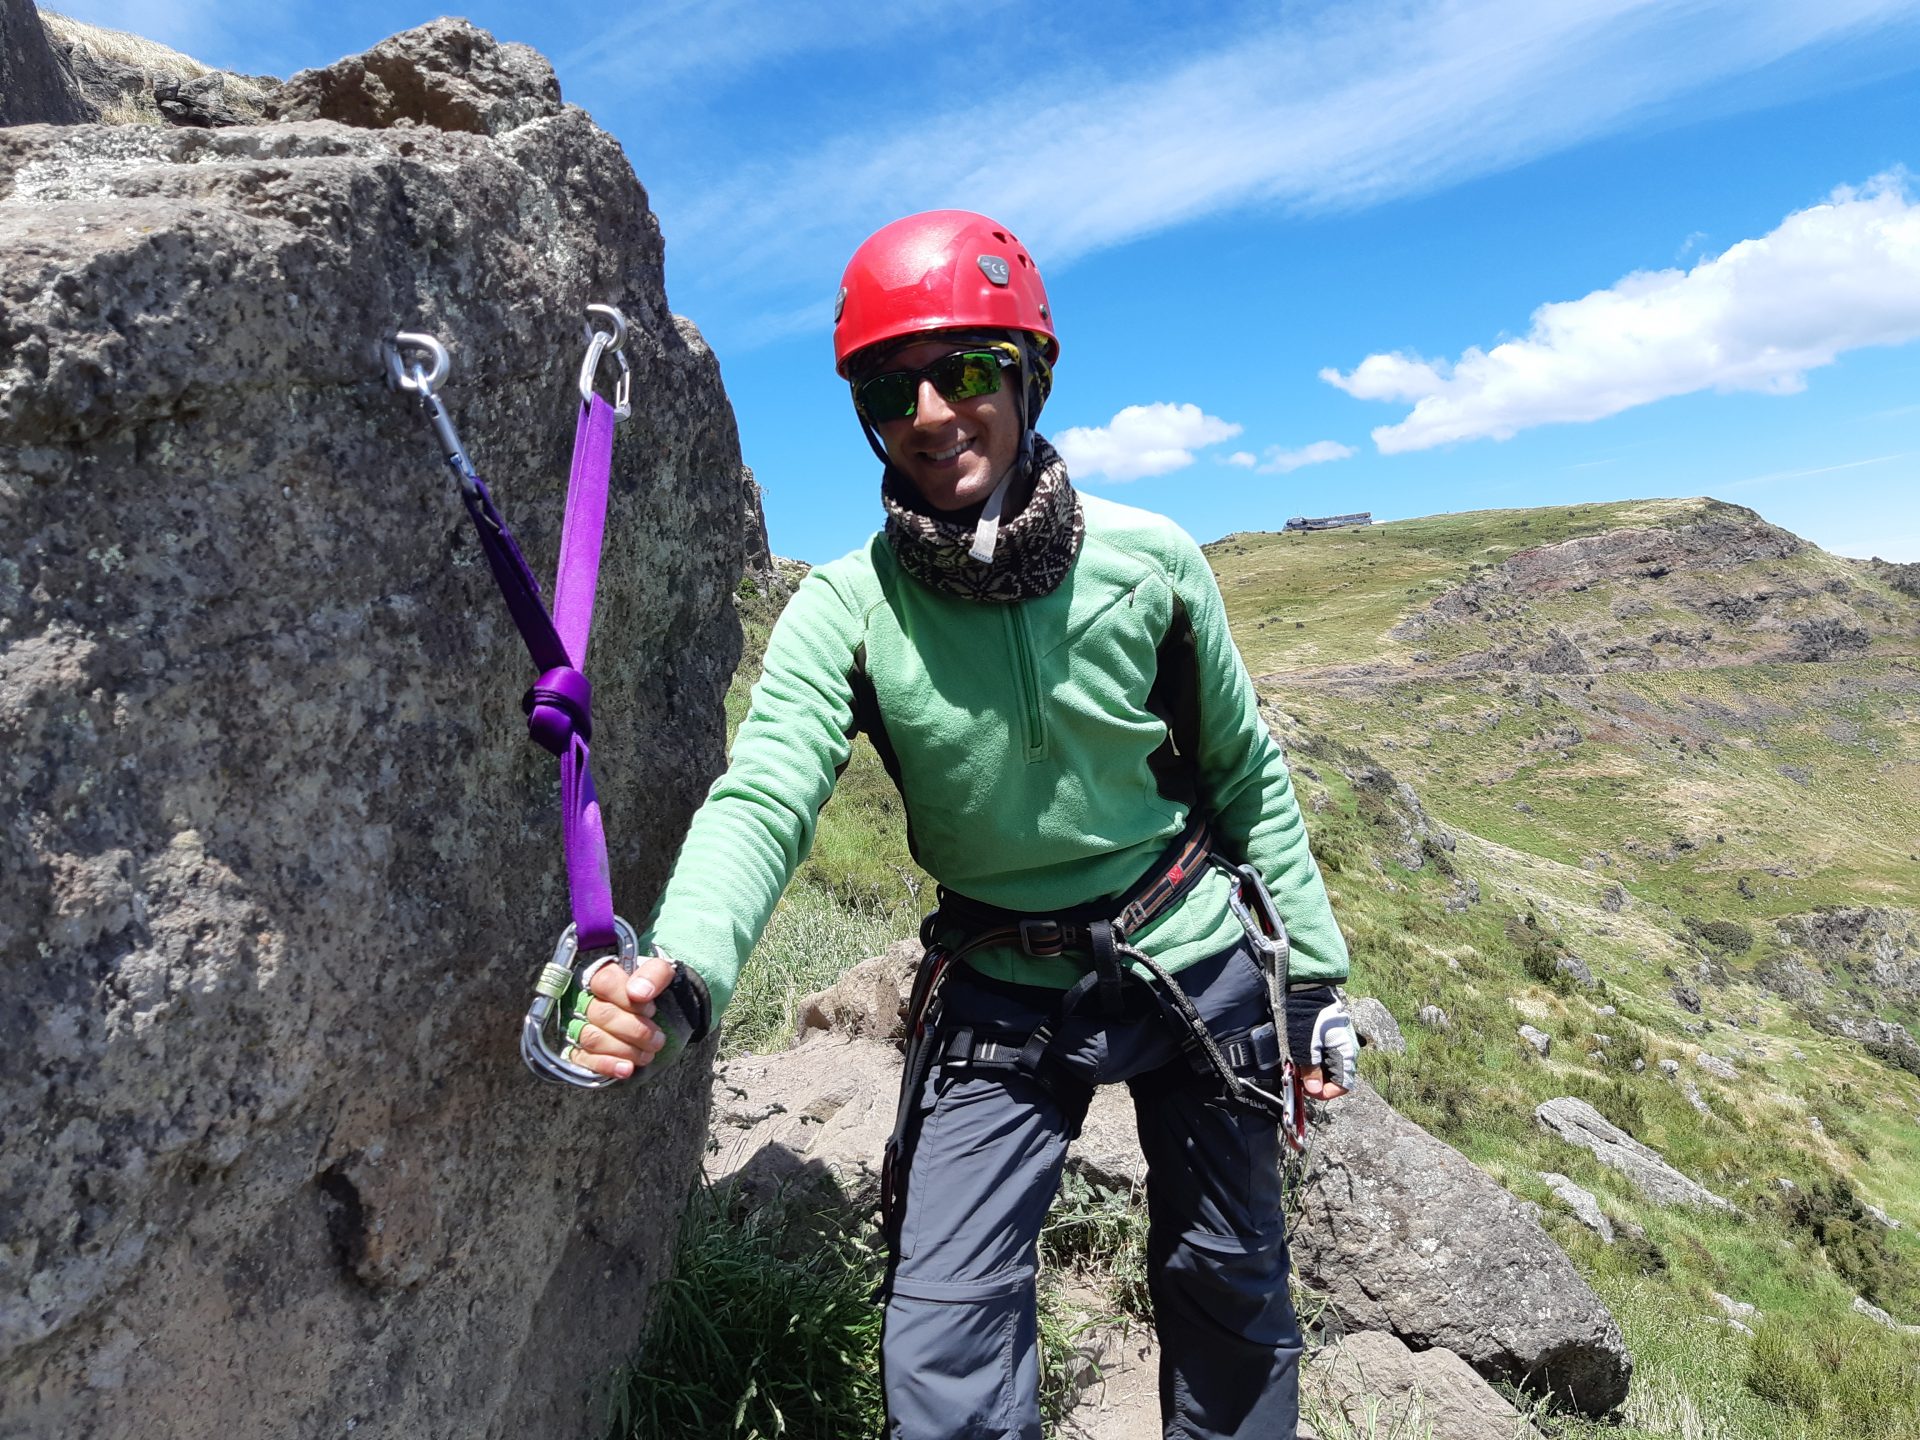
(1023, 259)
(1003, 237)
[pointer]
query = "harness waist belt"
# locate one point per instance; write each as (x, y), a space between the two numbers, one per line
(1052, 934)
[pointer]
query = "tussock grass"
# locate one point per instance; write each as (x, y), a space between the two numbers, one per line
(123, 47)
(766, 1328)
(154, 61)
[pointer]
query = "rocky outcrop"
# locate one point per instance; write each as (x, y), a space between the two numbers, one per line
(1402, 1233)
(36, 84)
(446, 74)
(1578, 1123)
(817, 1116)
(280, 865)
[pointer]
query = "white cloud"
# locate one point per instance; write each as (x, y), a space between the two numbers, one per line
(1830, 278)
(1141, 440)
(1245, 459)
(1282, 462)
(1320, 107)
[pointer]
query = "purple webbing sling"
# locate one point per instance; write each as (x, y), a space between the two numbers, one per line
(559, 706)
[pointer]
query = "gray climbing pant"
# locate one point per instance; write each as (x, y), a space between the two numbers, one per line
(959, 1355)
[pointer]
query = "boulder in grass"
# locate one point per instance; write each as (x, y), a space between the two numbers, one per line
(868, 1002)
(1578, 1123)
(1585, 1208)
(1404, 1234)
(1374, 1024)
(1372, 1384)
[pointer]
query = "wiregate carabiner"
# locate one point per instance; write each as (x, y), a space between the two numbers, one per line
(545, 1043)
(599, 342)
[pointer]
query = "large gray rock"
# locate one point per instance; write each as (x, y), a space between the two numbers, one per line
(1404, 1234)
(1371, 1384)
(1374, 1023)
(817, 1115)
(448, 74)
(868, 1002)
(1578, 1123)
(36, 85)
(280, 864)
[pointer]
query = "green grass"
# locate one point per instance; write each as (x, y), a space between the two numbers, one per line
(766, 1328)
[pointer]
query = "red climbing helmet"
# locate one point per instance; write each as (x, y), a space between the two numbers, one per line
(940, 270)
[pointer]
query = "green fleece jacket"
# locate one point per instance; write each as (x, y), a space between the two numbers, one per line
(1046, 751)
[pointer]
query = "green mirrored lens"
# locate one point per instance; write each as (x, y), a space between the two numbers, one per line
(964, 375)
(890, 396)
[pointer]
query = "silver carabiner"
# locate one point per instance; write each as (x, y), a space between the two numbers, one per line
(599, 342)
(543, 1039)
(402, 376)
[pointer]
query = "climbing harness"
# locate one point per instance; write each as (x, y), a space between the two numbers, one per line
(1242, 1063)
(558, 706)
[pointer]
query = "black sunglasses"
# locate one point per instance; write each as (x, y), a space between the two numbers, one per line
(963, 375)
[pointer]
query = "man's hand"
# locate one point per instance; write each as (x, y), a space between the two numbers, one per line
(620, 1033)
(1320, 1033)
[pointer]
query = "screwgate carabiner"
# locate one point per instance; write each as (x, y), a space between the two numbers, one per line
(544, 1043)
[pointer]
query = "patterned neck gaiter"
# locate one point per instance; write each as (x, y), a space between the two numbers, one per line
(1035, 550)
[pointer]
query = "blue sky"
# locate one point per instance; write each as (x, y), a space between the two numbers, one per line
(1407, 257)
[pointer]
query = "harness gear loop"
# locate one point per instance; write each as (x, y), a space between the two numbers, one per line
(559, 705)
(1252, 904)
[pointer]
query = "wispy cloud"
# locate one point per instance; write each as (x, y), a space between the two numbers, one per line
(1323, 107)
(1141, 440)
(667, 45)
(1281, 461)
(1775, 477)
(1828, 279)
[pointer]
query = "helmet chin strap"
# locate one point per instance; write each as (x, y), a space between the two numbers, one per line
(986, 531)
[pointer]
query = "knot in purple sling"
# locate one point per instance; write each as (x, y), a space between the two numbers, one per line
(559, 705)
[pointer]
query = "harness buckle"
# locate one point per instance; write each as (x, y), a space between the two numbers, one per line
(1043, 939)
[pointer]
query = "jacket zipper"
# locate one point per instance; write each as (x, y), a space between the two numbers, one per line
(1027, 681)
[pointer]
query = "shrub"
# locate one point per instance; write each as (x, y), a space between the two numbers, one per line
(1729, 935)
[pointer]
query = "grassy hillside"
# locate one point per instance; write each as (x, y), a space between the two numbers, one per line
(1645, 776)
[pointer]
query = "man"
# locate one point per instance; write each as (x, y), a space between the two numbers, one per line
(1050, 682)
